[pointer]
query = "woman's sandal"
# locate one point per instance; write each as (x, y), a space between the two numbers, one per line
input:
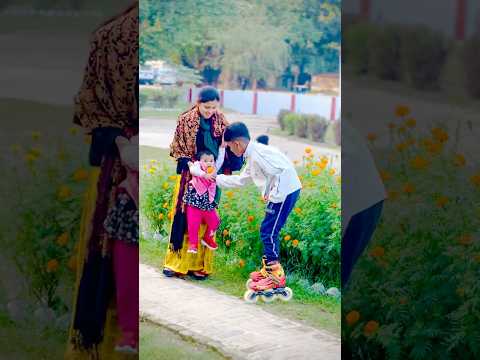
(170, 273)
(199, 275)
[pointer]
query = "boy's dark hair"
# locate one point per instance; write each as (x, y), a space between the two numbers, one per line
(208, 93)
(263, 139)
(235, 131)
(204, 152)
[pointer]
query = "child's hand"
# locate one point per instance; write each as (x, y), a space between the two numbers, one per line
(210, 177)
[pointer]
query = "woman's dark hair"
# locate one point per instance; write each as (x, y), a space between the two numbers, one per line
(208, 93)
(204, 152)
(235, 131)
(263, 139)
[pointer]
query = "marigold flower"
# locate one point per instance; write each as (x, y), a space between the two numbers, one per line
(166, 185)
(228, 243)
(372, 137)
(370, 328)
(250, 218)
(210, 170)
(409, 188)
(442, 201)
(331, 172)
(475, 179)
(308, 150)
(377, 251)
(418, 162)
(295, 243)
(465, 239)
(161, 216)
(80, 174)
(459, 160)
(352, 317)
(287, 237)
(52, 265)
(410, 122)
(64, 192)
(298, 210)
(62, 240)
(225, 232)
(440, 135)
(402, 110)
(241, 263)
(316, 172)
(229, 194)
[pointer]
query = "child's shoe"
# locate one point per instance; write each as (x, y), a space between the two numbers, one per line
(258, 275)
(192, 249)
(128, 344)
(209, 241)
(275, 278)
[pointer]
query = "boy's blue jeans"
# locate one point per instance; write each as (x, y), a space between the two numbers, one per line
(276, 215)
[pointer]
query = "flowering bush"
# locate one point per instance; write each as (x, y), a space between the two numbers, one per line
(310, 242)
(414, 292)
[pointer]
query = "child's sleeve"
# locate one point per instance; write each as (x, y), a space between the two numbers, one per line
(232, 181)
(220, 158)
(195, 169)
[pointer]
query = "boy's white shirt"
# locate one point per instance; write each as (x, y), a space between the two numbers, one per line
(196, 170)
(358, 167)
(269, 169)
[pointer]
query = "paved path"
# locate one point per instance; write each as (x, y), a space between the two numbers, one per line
(159, 133)
(235, 328)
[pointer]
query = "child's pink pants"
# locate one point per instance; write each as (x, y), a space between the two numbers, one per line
(125, 262)
(195, 217)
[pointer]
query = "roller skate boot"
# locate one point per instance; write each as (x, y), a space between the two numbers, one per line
(270, 287)
(258, 275)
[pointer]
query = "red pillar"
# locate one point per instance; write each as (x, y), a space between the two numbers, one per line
(333, 109)
(365, 7)
(293, 103)
(255, 103)
(461, 12)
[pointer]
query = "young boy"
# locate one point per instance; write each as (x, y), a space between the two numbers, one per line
(275, 174)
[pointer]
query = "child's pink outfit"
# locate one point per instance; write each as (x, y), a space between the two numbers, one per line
(200, 205)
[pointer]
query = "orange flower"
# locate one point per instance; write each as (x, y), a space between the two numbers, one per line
(250, 218)
(459, 160)
(229, 194)
(52, 265)
(377, 251)
(333, 205)
(418, 163)
(370, 328)
(372, 137)
(352, 317)
(170, 216)
(331, 172)
(435, 148)
(316, 172)
(409, 188)
(475, 179)
(173, 177)
(402, 110)
(62, 240)
(80, 174)
(385, 175)
(440, 135)
(410, 122)
(228, 243)
(465, 239)
(295, 243)
(165, 205)
(308, 150)
(241, 263)
(160, 216)
(287, 237)
(225, 232)
(442, 201)
(298, 210)
(64, 192)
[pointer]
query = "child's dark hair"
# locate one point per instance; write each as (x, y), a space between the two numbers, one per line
(263, 139)
(204, 152)
(235, 131)
(208, 93)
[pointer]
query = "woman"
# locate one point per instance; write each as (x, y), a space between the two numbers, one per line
(105, 315)
(199, 128)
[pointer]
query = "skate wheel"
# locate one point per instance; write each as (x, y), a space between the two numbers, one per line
(268, 296)
(250, 296)
(286, 295)
(248, 284)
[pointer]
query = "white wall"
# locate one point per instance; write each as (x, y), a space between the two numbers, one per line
(270, 103)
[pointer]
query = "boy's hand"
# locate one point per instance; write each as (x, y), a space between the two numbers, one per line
(265, 198)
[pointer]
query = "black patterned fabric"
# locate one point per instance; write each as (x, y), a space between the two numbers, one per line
(122, 220)
(199, 201)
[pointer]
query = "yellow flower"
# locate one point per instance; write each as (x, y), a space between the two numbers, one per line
(64, 192)
(170, 216)
(370, 328)
(402, 110)
(377, 251)
(295, 243)
(352, 317)
(80, 174)
(52, 265)
(410, 122)
(465, 239)
(161, 216)
(308, 150)
(440, 135)
(225, 232)
(333, 205)
(229, 194)
(316, 172)
(331, 172)
(145, 167)
(475, 179)
(298, 210)
(442, 201)
(241, 263)
(409, 188)
(151, 170)
(62, 240)
(287, 237)
(418, 163)
(372, 137)
(35, 135)
(459, 160)
(165, 205)
(153, 161)
(172, 177)
(166, 185)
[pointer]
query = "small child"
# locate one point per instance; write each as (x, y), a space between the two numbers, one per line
(275, 174)
(199, 199)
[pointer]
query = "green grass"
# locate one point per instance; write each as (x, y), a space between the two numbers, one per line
(315, 310)
(159, 343)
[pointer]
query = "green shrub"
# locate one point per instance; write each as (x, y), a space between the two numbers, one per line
(291, 120)
(143, 98)
(471, 56)
(332, 134)
(385, 53)
(301, 127)
(281, 118)
(317, 127)
(357, 46)
(166, 97)
(423, 54)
